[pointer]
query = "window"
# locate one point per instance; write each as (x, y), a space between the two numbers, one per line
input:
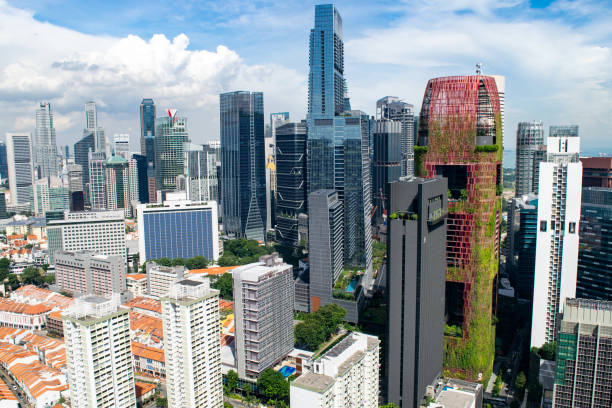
(543, 226)
(572, 227)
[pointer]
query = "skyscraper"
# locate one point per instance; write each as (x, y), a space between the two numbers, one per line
(3, 162)
(291, 199)
(45, 144)
(263, 299)
(596, 172)
(191, 345)
(584, 352)
(91, 122)
(139, 186)
(529, 140)
(337, 146)
(201, 171)
(81, 154)
(243, 164)
(121, 145)
(97, 181)
(558, 231)
(595, 252)
(20, 167)
(526, 248)
(276, 119)
(50, 195)
(98, 353)
(147, 124)
(388, 164)
(392, 108)
(117, 180)
(415, 288)
(460, 138)
(170, 134)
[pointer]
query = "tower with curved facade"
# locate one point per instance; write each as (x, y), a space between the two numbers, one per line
(460, 138)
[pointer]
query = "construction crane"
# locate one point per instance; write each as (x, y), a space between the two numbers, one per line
(381, 197)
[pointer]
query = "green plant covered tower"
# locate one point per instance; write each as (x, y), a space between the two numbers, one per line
(460, 138)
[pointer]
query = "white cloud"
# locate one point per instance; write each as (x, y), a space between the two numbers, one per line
(69, 68)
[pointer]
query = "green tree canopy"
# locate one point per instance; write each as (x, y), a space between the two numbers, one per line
(32, 276)
(231, 380)
(548, 351)
(242, 251)
(224, 284)
(273, 385)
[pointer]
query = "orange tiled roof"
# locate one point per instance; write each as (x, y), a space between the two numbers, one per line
(136, 276)
(215, 270)
(144, 303)
(8, 305)
(145, 324)
(40, 295)
(5, 393)
(31, 237)
(57, 315)
(14, 236)
(144, 351)
(225, 304)
(142, 388)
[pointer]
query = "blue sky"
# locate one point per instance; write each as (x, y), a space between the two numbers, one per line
(556, 56)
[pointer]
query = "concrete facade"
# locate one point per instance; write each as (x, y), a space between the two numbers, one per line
(86, 272)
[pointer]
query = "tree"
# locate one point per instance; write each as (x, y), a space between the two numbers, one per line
(161, 402)
(231, 380)
(178, 262)
(224, 284)
(520, 381)
(49, 279)
(13, 281)
(273, 385)
(4, 268)
(548, 351)
(309, 334)
(390, 405)
(227, 405)
(197, 262)
(163, 261)
(31, 276)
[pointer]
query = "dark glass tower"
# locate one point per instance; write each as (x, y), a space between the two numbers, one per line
(3, 161)
(595, 250)
(527, 235)
(170, 134)
(387, 166)
(529, 141)
(147, 124)
(243, 174)
(81, 153)
(392, 108)
(290, 180)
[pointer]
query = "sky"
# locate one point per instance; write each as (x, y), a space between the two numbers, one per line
(556, 57)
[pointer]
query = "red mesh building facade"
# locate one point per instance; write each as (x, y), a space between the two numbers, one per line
(460, 137)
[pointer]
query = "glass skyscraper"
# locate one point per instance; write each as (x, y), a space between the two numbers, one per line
(81, 153)
(338, 141)
(45, 145)
(392, 108)
(170, 134)
(3, 162)
(529, 141)
(243, 174)
(388, 160)
(147, 125)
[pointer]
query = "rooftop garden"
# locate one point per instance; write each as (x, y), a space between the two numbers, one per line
(347, 282)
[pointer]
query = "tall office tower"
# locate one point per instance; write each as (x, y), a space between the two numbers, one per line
(243, 164)
(595, 252)
(526, 245)
(139, 187)
(291, 199)
(500, 82)
(263, 299)
(101, 232)
(20, 167)
(121, 145)
(50, 195)
(3, 162)
(99, 353)
(147, 123)
(92, 126)
(337, 146)
(393, 108)
(117, 177)
(460, 138)
(45, 144)
(387, 165)
(415, 288)
(86, 272)
(97, 181)
(161, 278)
(192, 346)
(558, 231)
(75, 177)
(178, 229)
(82, 148)
(596, 172)
(201, 171)
(529, 140)
(584, 353)
(276, 119)
(170, 134)
(345, 376)
(325, 234)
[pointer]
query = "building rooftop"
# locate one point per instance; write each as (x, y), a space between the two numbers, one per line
(136, 276)
(314, 382)
(454, 398)
(145, 303)
(215, 270)
(143, 388)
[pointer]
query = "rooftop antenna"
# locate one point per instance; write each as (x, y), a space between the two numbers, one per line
(479, 68)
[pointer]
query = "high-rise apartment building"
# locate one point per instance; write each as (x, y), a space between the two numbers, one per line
(82, 148)
(338, 141)
(201, 171)
(243, 195)
(97, 181)
(529, 141)
(101, 232)
(161, 278)
(583, 375)
(263, 305)
(291, 199)
(556, 259)
(50, 195)
(92, 126)
(147, 125)
(99, 353)
(595, 252)
(86, 272)
(596, 172)
(460, 138)
(117, 184)
(393, 108)
(178, 229)
(121, 145)
(387, 162)
(345, 376)
(170, 134)
(191, 345)
(415, 288)
(20, 162)
(45, 144)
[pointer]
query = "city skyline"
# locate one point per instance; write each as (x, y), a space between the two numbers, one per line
(223, 61)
